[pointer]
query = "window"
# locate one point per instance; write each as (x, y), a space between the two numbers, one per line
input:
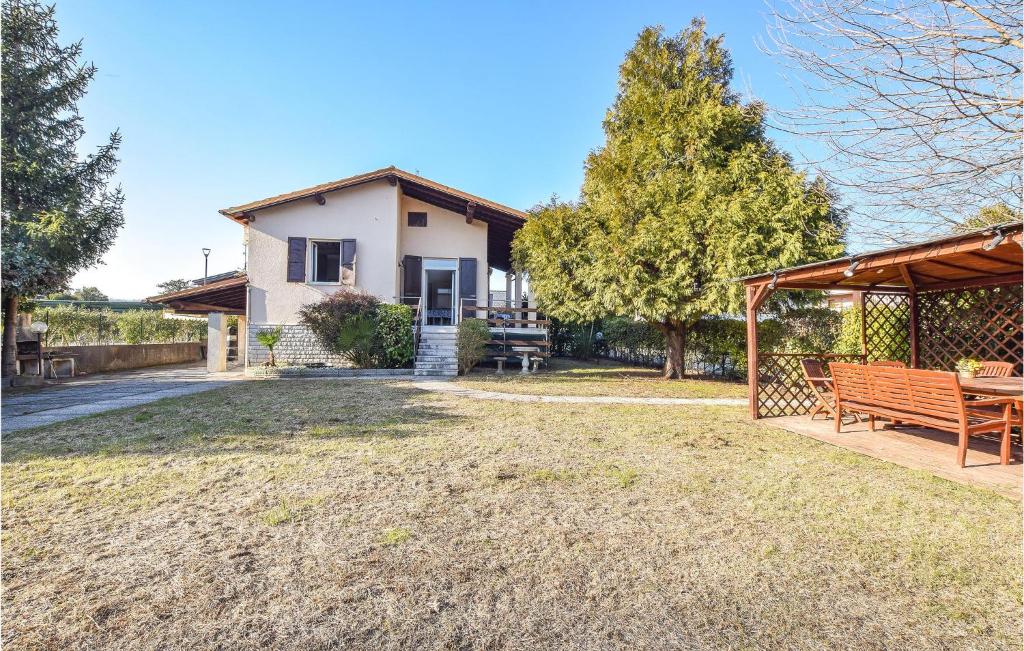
(418, 219)
(326, 262)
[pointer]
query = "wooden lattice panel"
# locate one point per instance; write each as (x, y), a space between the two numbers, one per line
(887, 326)
(983, 322)
(782, 390)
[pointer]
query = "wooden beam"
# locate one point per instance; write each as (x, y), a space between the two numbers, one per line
(895, 289)
(988, 281)
(863, 324)
(470, 209)
(392, 180)
(752, 360)
(915, 338)
(957, 267)
(908, 279)
(319, 198)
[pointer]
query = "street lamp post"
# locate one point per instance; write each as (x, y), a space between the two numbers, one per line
(206, 264)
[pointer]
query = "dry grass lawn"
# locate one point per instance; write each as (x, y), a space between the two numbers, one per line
(565, 377)
(326, 514)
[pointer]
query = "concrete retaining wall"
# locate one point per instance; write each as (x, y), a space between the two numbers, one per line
(98, 359)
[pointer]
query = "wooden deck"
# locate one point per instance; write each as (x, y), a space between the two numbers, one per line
(921, 449)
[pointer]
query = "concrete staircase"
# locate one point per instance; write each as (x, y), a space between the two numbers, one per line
(436, 353)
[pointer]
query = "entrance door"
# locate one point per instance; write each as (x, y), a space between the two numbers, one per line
(439, 289)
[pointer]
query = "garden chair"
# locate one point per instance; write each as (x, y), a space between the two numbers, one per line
(888, 362)
(996, 369)
(821, 387)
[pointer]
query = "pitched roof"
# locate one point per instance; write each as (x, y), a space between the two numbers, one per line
(390, 173)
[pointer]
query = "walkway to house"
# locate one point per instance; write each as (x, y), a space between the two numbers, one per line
(103, 392)
(450, 387)
(917, 448)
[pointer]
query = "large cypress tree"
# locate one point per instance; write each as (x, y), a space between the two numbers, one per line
(686, 194)
(59, 216)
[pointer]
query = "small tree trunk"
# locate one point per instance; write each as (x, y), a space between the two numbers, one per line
(675, 350)
(10, 346)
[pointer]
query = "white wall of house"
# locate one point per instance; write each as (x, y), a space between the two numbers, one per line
(366, 213)
(447, 235)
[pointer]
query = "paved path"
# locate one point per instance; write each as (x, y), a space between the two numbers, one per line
(103, 392)
(450, 387)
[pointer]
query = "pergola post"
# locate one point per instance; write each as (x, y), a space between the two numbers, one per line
(756, 296)
(863, 300)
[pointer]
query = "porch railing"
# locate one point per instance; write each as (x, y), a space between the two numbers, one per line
(529, 327)
(417, 326)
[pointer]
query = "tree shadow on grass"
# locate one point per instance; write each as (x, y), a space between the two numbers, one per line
(246, 416)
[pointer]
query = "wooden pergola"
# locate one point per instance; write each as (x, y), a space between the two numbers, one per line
(926, 304)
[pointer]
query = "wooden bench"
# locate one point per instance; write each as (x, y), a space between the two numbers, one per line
(925, 398)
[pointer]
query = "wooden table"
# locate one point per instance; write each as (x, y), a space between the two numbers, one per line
(998, 387)
(993, 386)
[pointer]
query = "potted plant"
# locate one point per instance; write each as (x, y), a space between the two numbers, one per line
(968, 367)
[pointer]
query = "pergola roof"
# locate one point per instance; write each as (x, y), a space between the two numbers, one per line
(502, 221)
(226, 295)
(943, 263)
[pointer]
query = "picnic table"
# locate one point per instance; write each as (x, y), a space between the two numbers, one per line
(993, 386)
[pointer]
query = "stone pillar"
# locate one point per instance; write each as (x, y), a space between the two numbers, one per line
(519, 297)
(508, 289)
(243, 340)
(531, 301)
(217, 343)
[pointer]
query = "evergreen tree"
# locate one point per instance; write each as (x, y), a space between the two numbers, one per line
(59, 216)
(686, 194)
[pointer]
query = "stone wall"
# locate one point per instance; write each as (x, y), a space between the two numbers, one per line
(118, 357)
(298, 347)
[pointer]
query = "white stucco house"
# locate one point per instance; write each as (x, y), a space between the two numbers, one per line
(399, 236)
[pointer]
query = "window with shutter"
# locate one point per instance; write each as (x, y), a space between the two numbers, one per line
(467, 281)
(348, 262)
(412, 278)
(326, 261)
(296, 259)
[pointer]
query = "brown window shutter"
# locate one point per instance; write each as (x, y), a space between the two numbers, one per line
(296, 259)
(467, 279)
(348, 262)
(412, 266)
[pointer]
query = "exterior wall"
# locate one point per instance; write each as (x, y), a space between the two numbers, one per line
(447, 235)
(118, 357)
(298, 347)
(365, 213)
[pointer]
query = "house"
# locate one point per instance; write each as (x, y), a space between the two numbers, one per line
(397, 235)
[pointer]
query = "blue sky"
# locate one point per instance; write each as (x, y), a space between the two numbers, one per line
(225, 102)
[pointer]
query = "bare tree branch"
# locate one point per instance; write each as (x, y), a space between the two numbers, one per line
(918, 103)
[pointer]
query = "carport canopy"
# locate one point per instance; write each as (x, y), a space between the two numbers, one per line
(225, 295)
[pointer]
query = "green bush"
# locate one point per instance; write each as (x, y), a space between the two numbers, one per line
(73, 326)
(394, 337)
(471, 343)
(328, 317)
(361, 329)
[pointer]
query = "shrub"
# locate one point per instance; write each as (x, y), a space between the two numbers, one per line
(269, 338)
(471, 343)
(74, 326)
(360, 328)
(394, 338)
(328, 317)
